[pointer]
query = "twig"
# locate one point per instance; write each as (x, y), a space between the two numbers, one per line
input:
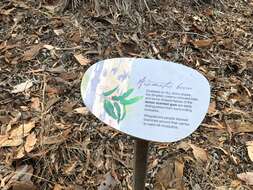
(191, 33)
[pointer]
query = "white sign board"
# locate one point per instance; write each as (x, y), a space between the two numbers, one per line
(145, 98)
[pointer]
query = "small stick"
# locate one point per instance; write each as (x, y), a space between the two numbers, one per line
(140, 163)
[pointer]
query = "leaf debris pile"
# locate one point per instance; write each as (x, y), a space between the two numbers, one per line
(49, 140)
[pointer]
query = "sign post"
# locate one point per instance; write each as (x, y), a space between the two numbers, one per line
(140, 163)
(148, 99)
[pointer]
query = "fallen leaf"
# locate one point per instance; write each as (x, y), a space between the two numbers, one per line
(69, 168)
(6, 12)
(108, 183)
(57, 139)
(22, 130)
(51, 90)
(20, 153)
(235, 183)
(170, 176)
(51, 102)
(75, 37)
(58, 187)
(212, 108)
(69, 76)
(209, 12)
(82, 60)
(250, 149)
(81, 110)
(32, 52)
(5, 142)
(199, 153)
(35, 104)
(202, 43)
(184, 145)
(21, 179)
(67, 106)
(23, 186)
(58, 32)
(30, 142)
(226, 43)
(238, 126)
(59, 69)
(246, 177)
(49, 47)
(22, 87)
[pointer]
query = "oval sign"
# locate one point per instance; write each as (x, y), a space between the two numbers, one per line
(150, 99)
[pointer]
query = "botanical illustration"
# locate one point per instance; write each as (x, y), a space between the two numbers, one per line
(115, 105)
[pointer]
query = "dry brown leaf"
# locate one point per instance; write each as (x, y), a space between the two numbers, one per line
(240, 127)
(250, 149)
(235, 183)
(49, 47)
(108, 183)
(10, 142)
(199, 153)
(22, 87)
(35, 104)
(212, 108)
(226, 43)
(30, 142)
(170, 176)
(247, 177)
(69, 168)
(22, 130)
(57, 139)
(69, 76)
(51, 90)
(202, 43)
(23, 186)
(22, 176)
(81, 110)
(184, 145)
(82, 60)
(59, 32)
(51, 102)
(67, 107)
(3, 138)
(20, 153)
(32, 52)
(75, 37)
(58, 187)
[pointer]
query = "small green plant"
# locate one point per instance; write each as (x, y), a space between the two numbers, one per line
(115, 106)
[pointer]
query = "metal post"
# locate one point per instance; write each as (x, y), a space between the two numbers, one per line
(140, 163)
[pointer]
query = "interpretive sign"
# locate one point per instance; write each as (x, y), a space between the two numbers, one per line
(149, 99)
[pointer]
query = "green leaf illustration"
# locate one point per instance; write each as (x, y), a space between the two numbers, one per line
(131, 101)
(110, 92)
(118, 109)
(115, 106)
(117, 98)
(109, 108)
(127, 93)
(124, 113)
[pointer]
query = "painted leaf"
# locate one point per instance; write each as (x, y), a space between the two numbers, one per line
(127, 93)
(110, 109)
(110, 92)
(124, 113)
(117, 107)
(117, 98)
(131, 101)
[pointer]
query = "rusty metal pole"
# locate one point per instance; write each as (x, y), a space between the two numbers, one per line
(140, 163)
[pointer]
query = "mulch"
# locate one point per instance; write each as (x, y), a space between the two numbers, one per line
(49, 140)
